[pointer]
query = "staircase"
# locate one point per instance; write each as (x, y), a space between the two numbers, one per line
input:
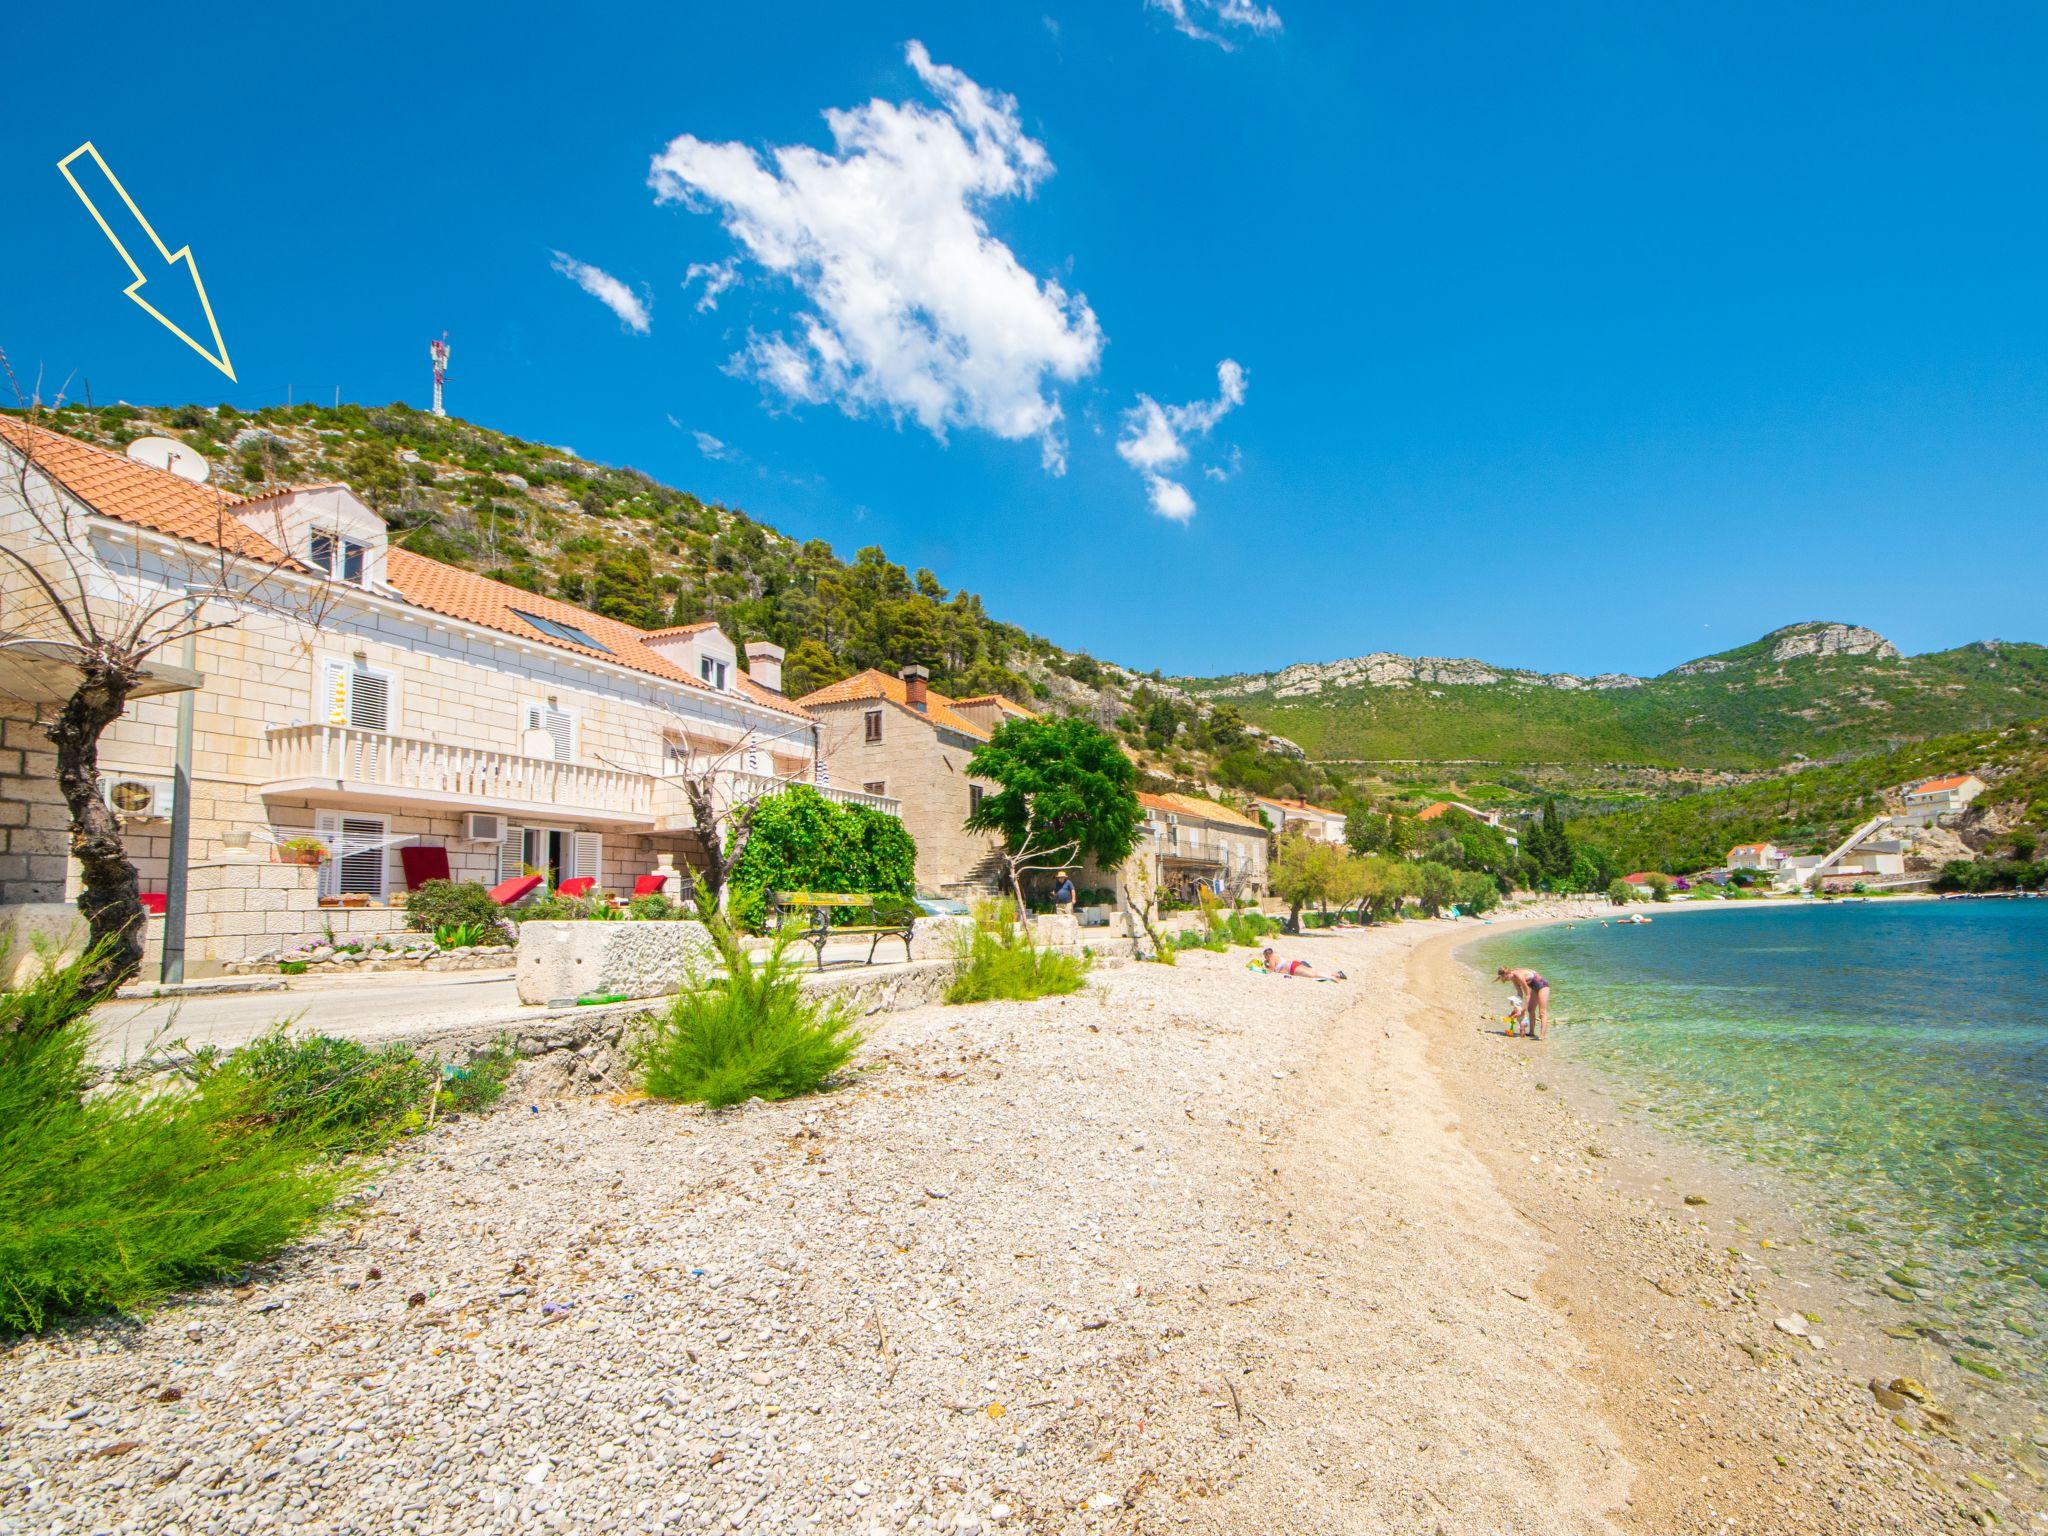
(1848, 844)
(988, 877)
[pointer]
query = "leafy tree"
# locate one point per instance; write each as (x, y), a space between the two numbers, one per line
(1659, 884)
(622, 587)
(1436, 886)
(1067, 794)
(1306, 871)
(800, 841)
(807, 667)
(1620, 892)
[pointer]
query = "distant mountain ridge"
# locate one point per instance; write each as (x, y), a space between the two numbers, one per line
(1818, 689)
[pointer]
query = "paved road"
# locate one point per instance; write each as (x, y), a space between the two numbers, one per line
(362, 1007)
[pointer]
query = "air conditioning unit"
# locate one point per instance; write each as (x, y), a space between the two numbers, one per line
(136, 799)
(483, 827)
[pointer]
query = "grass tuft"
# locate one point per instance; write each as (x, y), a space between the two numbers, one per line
(752, 1033)
(113, 1201)
(999, 963)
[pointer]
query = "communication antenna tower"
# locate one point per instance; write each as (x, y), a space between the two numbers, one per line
(438, 350)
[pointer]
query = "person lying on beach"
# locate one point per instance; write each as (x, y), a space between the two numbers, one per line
(1532, 1008)
(1273, 965)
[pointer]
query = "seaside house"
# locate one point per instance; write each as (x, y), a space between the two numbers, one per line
(1438, 808)
(1190, 842)
(1765, 857)
(1932, 799)
(411, 718)
(1315, 822)
(901, 738)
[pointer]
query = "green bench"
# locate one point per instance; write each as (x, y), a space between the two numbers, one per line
(873, 918)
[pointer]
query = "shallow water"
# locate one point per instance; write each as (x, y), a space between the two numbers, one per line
(1892, 1060)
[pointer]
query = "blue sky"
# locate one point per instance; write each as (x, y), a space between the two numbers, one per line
(1591, 339)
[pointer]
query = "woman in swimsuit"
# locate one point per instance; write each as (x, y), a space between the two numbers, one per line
(1278, 967)
(1534, 993)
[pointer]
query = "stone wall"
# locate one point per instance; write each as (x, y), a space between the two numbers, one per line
(34, 821)
(560, 962)
(925, 770)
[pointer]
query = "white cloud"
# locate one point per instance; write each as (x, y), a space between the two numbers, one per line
(1189, 16)
(607, 290)
(1155, 437)
(1233, 461)
(718, 276)
(710, 446)
(914, 308)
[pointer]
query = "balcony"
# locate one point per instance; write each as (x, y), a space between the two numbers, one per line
(342, 762)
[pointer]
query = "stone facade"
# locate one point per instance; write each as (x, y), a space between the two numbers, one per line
(923, 765)
(34, 824)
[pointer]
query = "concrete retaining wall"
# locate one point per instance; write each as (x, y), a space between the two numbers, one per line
(558, 962)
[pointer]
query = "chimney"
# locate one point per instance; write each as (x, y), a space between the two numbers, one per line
(914, 679)
(764, 664)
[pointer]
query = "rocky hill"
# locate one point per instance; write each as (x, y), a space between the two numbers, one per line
(1812, 690)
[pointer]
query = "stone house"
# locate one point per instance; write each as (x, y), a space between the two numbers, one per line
(1190, 842)
(899, 737)
(1316, 822)
(406, 714)
(1949, 795)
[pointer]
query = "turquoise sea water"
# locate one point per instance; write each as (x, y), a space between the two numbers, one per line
(1890, 1060)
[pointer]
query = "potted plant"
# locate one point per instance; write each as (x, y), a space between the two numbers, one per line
(301, 850)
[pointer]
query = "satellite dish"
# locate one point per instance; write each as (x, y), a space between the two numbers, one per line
(169, 453)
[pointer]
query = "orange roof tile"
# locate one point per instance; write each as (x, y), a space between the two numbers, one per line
(1943, 785)
(1431, 812)
(1200, 807)
(1299, 805)
(118, 487)
(872, 684)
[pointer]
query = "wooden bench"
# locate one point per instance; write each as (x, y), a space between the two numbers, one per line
(875, 918)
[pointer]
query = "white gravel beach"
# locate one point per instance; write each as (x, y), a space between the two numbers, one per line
(1197, 1249)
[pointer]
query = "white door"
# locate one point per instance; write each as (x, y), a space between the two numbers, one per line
(586, 856)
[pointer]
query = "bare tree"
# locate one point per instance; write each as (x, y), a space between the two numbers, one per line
(1141, 895)
(107, 612)
(721, 793)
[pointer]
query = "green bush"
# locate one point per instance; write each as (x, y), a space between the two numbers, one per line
(480, 1081)
(1002, 964)
(338, 1093)
(798, 840)
(114, 1201)
(557, 908)
(439, 904)
(468, 935)
(752, 1033)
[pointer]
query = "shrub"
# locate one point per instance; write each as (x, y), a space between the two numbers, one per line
(338, 1093)
(1001, 963)
(113, 1202)
(439, 904)
(291, 967)
(655, 909)
(752, 1033)
(557, 908)
(798, 840)
(480, 1081)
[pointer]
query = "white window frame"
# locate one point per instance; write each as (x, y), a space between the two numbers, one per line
(339, 548)
(571, 740)
(713, 671)
(332, 829)
(344, 670)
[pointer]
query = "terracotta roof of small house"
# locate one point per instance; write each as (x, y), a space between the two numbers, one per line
(1197, 806)
(1749, 848)
(141, 494)
(872, 685)
(1299, 805)
(1942, 785)
(1431, 812)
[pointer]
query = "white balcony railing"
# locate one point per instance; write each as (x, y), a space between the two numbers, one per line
(738, 788)
(380, 765)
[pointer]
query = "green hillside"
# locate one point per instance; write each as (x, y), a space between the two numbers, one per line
(1818, 805)
(1743, 709)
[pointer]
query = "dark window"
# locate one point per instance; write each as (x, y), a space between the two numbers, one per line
(878, 787)
(973, 798)
(332, 556)
(874, 725)
(555, 629)
(712, 671)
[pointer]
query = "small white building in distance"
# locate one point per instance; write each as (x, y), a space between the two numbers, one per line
(1934, 798)
(1755, 856)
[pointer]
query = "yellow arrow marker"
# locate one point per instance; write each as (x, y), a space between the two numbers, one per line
(219, 355)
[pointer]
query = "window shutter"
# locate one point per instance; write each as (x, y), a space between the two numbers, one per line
(559, 725)
(586, 856)
(369, 700)
(327, 828)
(510, 849)
(361, 865)
(333, 700)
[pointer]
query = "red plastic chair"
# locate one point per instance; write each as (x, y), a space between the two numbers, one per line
(650, 885)
(580, 886)
(154, 902)
(505, 892)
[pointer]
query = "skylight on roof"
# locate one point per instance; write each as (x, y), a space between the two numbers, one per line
(554, 629)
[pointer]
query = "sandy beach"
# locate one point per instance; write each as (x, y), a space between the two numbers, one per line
(1196, 1249)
